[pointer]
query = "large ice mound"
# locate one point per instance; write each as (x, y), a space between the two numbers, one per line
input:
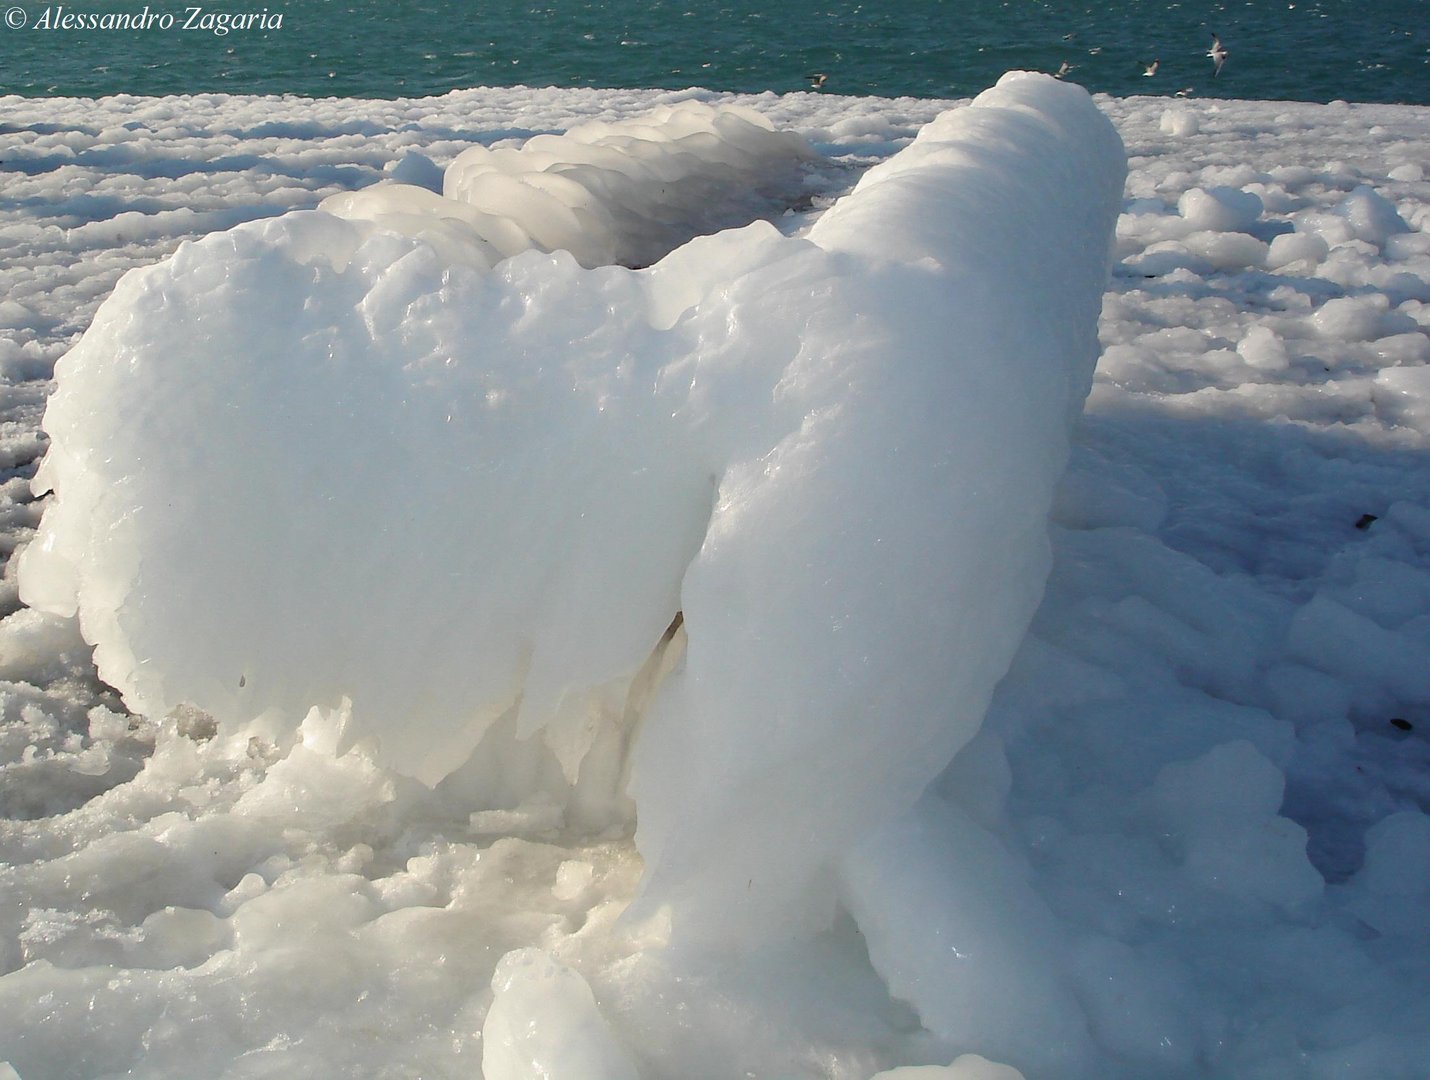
(623, 193)
(747, 536)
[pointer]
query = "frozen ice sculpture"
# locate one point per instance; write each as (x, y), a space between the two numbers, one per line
(734, 546)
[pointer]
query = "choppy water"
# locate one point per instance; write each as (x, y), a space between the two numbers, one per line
(1313, 50)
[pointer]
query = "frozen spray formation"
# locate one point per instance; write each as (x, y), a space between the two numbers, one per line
(746, 537)
(609, 193)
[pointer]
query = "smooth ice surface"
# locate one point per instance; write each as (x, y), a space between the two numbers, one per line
(571, 457)
(1197, 799)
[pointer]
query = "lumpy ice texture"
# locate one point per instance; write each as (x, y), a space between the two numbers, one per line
(622, 193)
(747, 537)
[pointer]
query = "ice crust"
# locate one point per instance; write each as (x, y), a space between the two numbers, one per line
(473, 503)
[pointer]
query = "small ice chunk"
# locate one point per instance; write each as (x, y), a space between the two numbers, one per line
(1397, 860)
(544, 1024)
(1220, 209)
(1264, 860)
(16, 316)
(1262, 349)
(1225, 805)
(181, 936)
(1180, 122)
(1227, 251)
(1371, 216)
(1392, 888)
(1327, 635)
(1296, 247)
(1349, 318)
(1231, 781)
(1404, 350)
(1404, 393)
(416, 169)
(573, 877)
(34, 645)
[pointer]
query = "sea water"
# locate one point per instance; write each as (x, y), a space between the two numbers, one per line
(1310, 50)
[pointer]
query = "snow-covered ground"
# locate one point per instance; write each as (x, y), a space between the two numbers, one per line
(1189, 838)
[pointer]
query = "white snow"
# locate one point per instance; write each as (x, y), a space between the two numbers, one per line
(1189, 836)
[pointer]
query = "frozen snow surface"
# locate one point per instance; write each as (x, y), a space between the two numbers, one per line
(354, 497)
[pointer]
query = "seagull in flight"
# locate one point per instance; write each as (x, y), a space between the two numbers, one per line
(1218, 55)
(1062, 71)
(1148, 70)
(817, 79)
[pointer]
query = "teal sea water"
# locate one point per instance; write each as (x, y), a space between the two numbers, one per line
(1308, 50)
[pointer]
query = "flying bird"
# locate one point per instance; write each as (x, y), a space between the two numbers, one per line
(1062, 71)
(1218, 55)
(1148, 70)
(817, 79)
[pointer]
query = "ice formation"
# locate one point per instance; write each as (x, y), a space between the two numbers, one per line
(622, 193)
(544, 1025)
(472, 502)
